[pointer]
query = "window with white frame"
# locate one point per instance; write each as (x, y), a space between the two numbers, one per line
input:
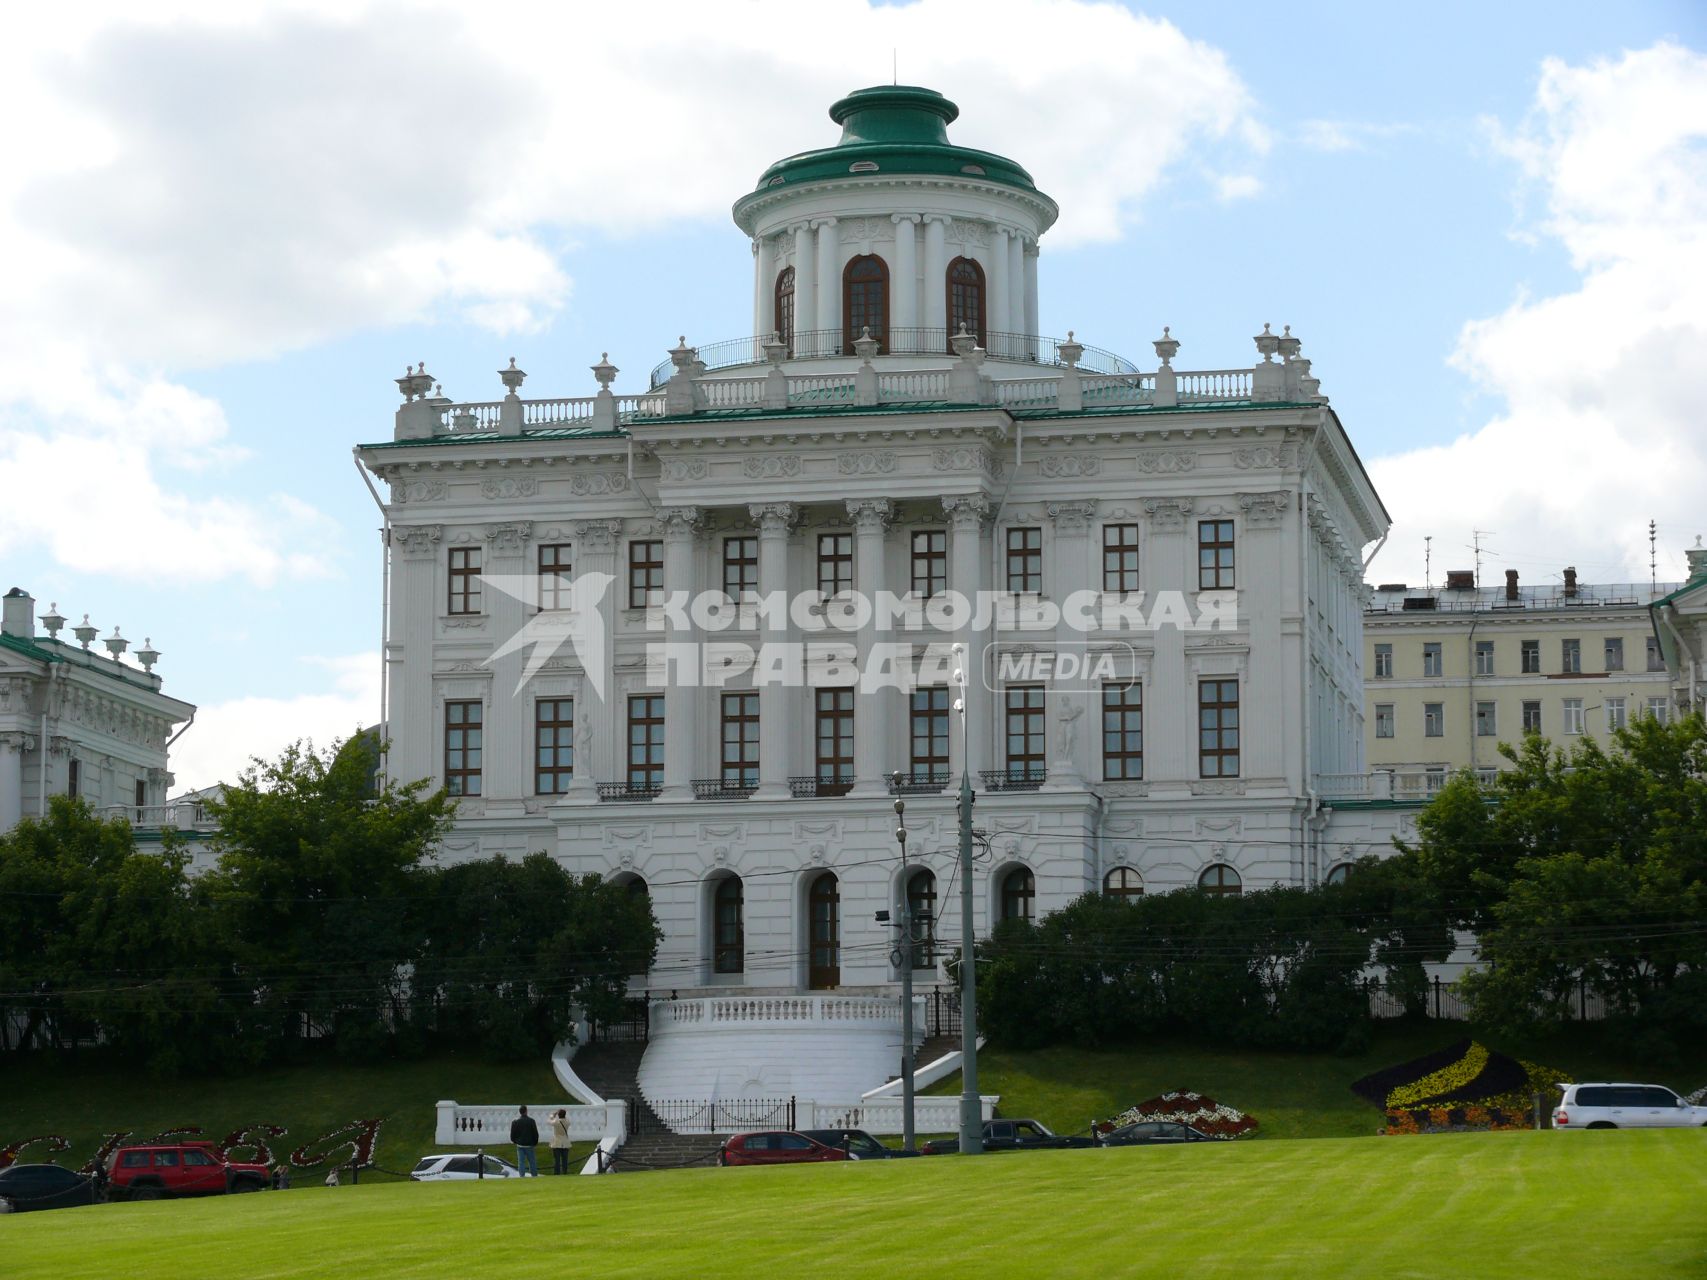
(1383, 662)
(1383, 719)
(1531, 658)
(1659, 709)
(1431, 658)
(1487, 725)
(1656, 659)
(1617, 715)
(1614, 649)
(1570, 656)
(1434, 719)
(1484, 657)
(1532, 717)
(1573, 716)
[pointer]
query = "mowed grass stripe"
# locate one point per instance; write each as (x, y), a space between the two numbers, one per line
(1472, 1205)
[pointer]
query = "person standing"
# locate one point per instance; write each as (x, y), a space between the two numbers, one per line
(524, 1133)
(560, 1141)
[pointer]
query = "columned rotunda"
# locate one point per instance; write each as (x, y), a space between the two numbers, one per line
(1154, 574)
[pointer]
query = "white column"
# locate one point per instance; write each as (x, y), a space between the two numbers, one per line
(1016, 287)
(904, 280)
(805, 288)
(12, 779)
(764, 287)
(1031, 320)
(508, 732)
(873, 752)
(776, 700)
(968, 574)
(829, 284)
(599, 710)
(935, 308)
(681, 687)
(416, 738)
(1001, 290)
(1075, 714)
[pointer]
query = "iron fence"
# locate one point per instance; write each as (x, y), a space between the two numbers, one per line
(629, 1028)
(715, 1115)
(1446, 1001)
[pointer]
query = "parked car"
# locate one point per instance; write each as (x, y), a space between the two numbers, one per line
(26, 1187)
(181, 1169)
(778, 1147)
(1625, 1106)
(1145, 1133)
(1011, 1135)
(859, 1144)
(462, 1166)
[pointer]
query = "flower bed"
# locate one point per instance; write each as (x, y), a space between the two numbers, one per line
(1463, 1087)
(1198, 1110)
(352, 1143)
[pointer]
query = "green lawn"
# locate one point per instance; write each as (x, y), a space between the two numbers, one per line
(82, 1102)
(1292, 1095)
(1483, 1206)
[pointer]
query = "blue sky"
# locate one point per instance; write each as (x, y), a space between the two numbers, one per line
(229, 233)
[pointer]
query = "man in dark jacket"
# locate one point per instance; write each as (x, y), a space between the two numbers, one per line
(525, 1134)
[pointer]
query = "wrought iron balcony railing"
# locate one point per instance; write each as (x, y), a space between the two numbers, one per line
(808, 788)
(918, 783)
(618, 791)
(1027, 779)
(722, 789)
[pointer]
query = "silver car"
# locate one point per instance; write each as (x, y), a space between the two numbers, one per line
(463, 1166)
(1625, 1106)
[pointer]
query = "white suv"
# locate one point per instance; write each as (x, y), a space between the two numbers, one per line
(1624, 1106)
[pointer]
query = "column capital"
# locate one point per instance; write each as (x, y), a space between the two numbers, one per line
(1169, 513)
(871, 514)
(774, 519)
(967, 510)
(508, 537)
(823, 222)
(1072, 518)
(1264, 510)
(899, 218)
(595, 537)
(16, 741)
(417, 539)
(682, 524)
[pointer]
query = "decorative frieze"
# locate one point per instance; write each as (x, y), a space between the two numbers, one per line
(1266, 457)
(772, 466)
(596, 483)
(866, 463)
(509, 487)
(406, 491)
(680, 470)
(967, 458)
(1059, 466)
(1169, 462)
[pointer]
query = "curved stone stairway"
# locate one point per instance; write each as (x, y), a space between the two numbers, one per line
(612, 1071)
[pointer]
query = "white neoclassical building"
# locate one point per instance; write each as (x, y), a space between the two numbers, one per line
(77, 722)
(1155, 573)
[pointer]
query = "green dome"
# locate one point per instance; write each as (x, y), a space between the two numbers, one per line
(894, 129)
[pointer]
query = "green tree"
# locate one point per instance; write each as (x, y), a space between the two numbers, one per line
(316, 866)
(1586, 875)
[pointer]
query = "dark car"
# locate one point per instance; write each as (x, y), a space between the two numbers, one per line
(859, 1144)
(1011, 1135)
(1145, 1133)
(777, 1147)
(24, 1187)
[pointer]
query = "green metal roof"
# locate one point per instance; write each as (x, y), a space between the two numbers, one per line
(29, 648)
(894, 129)
(50, 650)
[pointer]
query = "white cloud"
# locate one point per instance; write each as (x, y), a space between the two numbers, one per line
(199, 183)
(227, 735)
(1237, 186)
(1601, 387)
(1347, 135)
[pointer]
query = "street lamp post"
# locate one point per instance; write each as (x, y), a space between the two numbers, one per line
(971, 1106)
(906, 956)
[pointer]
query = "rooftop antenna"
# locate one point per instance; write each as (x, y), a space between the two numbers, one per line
(1428, 562)
(1476, 545)
(1653, 572)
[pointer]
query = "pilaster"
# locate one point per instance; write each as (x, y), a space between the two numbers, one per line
(598, 718)
(1076, 709)
(968, 574)
(508, 728)
(415, 608)
(777, 700)
(682, 527)
(873, 750)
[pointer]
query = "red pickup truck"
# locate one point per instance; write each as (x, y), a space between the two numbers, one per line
(180, 1169)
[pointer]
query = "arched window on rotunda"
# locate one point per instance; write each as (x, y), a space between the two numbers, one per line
(865, 302)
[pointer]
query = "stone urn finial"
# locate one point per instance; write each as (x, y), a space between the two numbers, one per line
(512, 377)
(53, 620)
(605, 372)
(1267, 344)
(86, 633)
(865, 346)
(116, 644)
(1289, 346)
(1167, 347)
(1071, 352)
(148, 655)
(962, 343)
(776, 350)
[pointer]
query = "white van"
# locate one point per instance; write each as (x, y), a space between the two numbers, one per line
(1624, 1106)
